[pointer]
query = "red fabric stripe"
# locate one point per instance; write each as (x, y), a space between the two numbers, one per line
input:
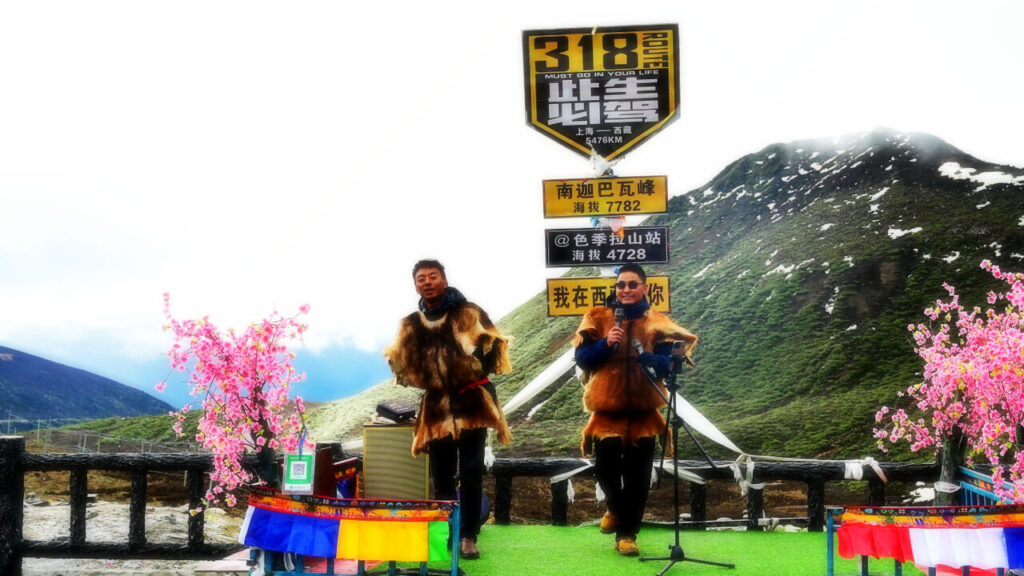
(889, 542)
(883, 541)
(855, 539)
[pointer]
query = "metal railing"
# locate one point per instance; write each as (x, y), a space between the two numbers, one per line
(976, 488)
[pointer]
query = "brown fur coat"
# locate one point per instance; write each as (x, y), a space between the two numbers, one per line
(619, 397)
(441, 357)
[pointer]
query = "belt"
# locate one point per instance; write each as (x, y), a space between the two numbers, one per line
(477, 384)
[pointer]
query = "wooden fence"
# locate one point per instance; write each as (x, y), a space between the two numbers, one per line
(15, 462)
(814, 474)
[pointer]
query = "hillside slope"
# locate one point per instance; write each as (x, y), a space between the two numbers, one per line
(35, 388)
(800, 267)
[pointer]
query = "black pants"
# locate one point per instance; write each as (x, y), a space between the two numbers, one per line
(466, 456)
(625, 476)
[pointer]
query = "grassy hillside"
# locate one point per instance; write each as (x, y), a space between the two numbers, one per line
(800, 268)
(150, 428)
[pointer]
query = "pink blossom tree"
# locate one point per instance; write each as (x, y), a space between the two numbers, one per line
(244, 379)
(973, 383)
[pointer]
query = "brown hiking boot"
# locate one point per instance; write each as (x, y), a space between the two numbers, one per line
(608, 523)
(468, 549)
(626, 546)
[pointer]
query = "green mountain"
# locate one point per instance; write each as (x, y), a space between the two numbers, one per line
(800, 267)
(34, 388)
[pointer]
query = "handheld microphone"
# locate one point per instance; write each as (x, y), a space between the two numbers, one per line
(619, 315)
(638, 346)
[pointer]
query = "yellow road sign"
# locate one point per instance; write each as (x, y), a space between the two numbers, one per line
(605, 196)
(574, 296)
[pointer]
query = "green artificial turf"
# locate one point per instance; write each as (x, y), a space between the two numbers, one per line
(555, 551)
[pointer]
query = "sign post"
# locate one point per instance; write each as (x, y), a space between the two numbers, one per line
(601, 92)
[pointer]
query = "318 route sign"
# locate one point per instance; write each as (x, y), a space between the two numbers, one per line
(604, 90)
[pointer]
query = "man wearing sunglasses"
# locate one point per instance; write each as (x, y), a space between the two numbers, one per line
(447, 348)
(624, 405)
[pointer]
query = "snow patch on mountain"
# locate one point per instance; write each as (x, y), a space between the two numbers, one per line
(895, 233)
(956, 172)
(831, 304)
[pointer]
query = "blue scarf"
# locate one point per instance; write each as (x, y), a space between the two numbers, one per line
(451, 298)
(632, 311)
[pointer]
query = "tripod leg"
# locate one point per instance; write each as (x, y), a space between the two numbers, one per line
(676, 422)
(665, 569)
(664, 447)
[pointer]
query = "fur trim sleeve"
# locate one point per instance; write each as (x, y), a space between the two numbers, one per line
(483, 339)
(397, 355)
(661, 328)
(595, 325)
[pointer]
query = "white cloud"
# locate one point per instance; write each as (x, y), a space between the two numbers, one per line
(250, 156)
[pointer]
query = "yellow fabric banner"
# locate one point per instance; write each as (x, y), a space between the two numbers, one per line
(384, 540)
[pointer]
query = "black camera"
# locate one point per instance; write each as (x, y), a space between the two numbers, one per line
(679, 357)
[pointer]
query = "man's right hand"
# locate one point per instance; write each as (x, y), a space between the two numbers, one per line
(616, 335)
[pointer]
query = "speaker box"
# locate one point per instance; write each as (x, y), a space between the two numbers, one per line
(389, 470)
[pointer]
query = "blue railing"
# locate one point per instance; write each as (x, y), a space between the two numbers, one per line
(976, 489)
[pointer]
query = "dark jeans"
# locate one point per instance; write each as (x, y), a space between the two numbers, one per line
(625, 476)
(467, 456)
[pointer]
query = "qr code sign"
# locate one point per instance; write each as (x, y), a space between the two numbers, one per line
(299, 470)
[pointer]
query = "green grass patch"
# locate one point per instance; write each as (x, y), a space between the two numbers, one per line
(551, 550)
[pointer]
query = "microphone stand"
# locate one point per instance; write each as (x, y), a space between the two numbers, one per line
(676, 553)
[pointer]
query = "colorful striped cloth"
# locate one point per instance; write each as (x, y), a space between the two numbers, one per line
(384, 530)
(986, 537)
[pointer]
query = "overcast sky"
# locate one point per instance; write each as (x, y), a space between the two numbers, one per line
(251, 156)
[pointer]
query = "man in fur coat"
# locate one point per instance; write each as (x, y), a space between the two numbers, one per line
(624, 406)
(447, 348)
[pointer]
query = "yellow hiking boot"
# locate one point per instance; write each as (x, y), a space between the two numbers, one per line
(626, 546)
(608, 523)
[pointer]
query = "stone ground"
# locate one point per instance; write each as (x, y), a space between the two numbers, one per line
(108, 521)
